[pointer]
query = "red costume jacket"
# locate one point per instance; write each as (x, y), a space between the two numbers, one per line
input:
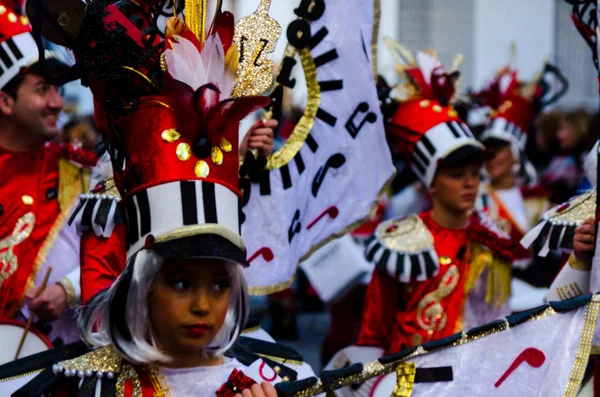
(37, 192)
(403, 314)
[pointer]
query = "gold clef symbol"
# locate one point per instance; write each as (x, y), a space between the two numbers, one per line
(430, 312)
(8, 259)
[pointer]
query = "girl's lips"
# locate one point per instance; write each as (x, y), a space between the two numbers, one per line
(197, 330)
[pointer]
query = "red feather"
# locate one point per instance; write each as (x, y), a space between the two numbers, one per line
(224, 26)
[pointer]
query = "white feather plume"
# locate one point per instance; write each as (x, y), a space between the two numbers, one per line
(186, 64)
(427, 63)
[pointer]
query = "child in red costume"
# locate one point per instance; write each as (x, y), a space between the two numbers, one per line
(449, 268)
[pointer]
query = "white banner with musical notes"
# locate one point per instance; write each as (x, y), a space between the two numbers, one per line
(541, 357)
(331, 171)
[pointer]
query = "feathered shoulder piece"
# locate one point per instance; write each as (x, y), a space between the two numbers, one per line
(485, 231)
(557, 227)
(404, 247)
(422, 75)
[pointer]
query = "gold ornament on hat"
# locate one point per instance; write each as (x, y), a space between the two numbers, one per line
(255, 37)
(183, 151)
(171, 135)
(216, 155)
(201, 169)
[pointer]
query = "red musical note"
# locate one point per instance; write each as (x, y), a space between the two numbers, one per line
(332, 212)
(532, 356)
(262, 374)
(265, 252)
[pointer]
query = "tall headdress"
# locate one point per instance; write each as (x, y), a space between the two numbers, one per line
(170, 105)
(17, 46)
(425, 123)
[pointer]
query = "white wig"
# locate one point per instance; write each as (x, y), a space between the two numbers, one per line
(119, 315)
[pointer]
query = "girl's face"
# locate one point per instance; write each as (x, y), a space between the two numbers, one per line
(502, 163)
(188, 304)
(455, 189)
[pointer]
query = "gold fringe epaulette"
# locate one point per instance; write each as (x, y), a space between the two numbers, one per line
(405, 248)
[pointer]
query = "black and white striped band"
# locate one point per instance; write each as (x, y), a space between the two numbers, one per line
(164, 209)
(15, 53)
(503, 129)
(436, 144)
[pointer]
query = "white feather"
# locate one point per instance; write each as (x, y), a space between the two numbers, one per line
(427, 64)
(184, 63)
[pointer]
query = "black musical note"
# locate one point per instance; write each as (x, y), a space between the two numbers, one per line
(335, 161)
(295, 227)
(371, 117)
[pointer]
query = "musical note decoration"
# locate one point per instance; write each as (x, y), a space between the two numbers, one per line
(532, 356)
(255, 37)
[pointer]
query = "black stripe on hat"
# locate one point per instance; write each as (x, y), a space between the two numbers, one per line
(453, 129)
(188, 202)
(5, 58)
(419, 153)
(464, 129)
(144, 207)
(209, 201)
(132, 222)
(428, 145)
(15, 50)
(419, 166)
(399, 265)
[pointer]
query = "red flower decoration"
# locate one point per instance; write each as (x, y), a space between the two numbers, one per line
(236, 383)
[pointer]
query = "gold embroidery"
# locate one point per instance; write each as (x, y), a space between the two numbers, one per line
(129, 374)
(405, 379)
(8, 260)
(405, 235)
(430, 312)
(584, 348)
(72, 181)
(159, 382)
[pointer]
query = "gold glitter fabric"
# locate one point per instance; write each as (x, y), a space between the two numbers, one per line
(430, 312)
(407, 235)
(405, 379)
(129, 374)
(104, 360)
(255, 37)
(575, 211)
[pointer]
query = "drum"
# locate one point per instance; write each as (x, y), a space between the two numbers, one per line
(11, 332)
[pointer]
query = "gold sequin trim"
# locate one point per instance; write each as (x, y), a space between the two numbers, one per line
(302, 129)
(578, 210)
(183, 152)
(405, 235)
(405, 379)
(201, 169)
(105, 359)
(430, 312)
(27, 199)
(8, 260)
(225, 145)
(171, 135)
(216, 155)
(585, 347)
(129, 374)
(159, 382)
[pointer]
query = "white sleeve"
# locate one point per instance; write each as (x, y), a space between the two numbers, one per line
(71, 284)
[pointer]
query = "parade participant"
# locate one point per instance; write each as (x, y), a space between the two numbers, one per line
(41, 182)
(447, 268)
(166, 323)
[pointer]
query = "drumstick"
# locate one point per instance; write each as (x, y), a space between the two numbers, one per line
(30, 320)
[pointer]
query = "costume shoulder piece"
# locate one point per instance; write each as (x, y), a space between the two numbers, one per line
(557, 227)
(483, 230)
(405, 248)
(98, 209)
(74, 165)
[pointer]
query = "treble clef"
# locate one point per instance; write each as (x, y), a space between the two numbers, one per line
(8, 259)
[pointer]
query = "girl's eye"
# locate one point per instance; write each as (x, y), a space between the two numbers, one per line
(180, 283)
(221, 285)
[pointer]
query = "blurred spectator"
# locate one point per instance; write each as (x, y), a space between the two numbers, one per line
(564, 172)
(545, 144)
(80, 132)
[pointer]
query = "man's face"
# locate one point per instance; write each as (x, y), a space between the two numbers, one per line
(36, 107)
